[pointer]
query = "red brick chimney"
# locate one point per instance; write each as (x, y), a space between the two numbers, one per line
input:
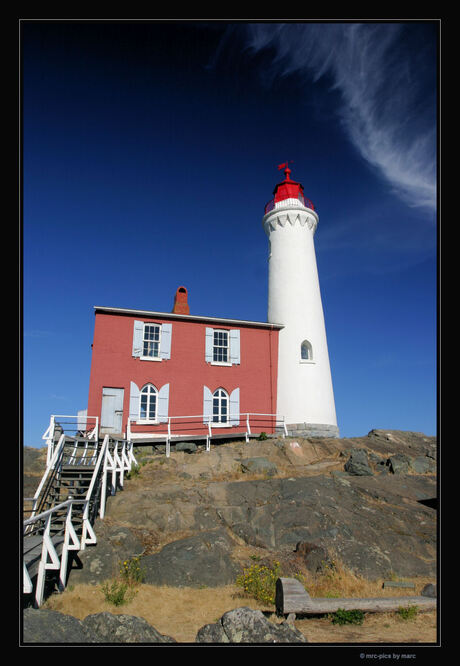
(180, 301)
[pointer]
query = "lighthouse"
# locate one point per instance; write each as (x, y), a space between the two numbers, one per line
(305, 394)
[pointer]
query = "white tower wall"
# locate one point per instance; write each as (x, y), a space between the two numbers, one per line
(305, 392)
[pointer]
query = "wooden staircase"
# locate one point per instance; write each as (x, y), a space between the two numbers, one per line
(72, 492)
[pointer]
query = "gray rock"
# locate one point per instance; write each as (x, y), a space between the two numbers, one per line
(259, 466)
(345, 518)
(188, 447)
(422, 465)
(399, 463)
(108, 628)
(203, 559)
(315, 556)
(114, 545)
(244, 625)
(358, 463)
(49, 626)
(429, 590)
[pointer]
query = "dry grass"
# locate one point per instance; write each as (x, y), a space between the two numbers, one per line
(176, 612)
(181, 612)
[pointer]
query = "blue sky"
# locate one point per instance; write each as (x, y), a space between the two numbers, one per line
(149, 150)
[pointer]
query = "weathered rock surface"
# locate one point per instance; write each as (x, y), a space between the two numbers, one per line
(203, 559)
(368, 500)
(244, 625)
(108, 628)
(115, 543)
(48, 626)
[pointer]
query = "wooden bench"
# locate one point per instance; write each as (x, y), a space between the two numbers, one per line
(292, 598)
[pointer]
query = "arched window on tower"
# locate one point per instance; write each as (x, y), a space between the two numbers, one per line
(306, 352)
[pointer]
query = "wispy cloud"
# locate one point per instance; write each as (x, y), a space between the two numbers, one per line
(384, 73)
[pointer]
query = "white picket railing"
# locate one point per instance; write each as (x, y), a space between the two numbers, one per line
(59, 426)
(205, 420)
(115, 456)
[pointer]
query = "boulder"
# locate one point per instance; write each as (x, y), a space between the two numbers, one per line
(48, 626)
(358, 463)
(429, 590)
(107, 628)
(423, 465)
(399, 463)
(188, 447)
(315, 556)
(244, 625)
(259, 466)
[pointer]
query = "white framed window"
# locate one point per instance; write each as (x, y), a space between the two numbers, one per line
(151, 341)
(148, 403)
(220, 349)
(306, 352)
(220, 407)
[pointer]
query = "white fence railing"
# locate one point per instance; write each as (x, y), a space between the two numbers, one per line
(114, 457)
(170, 430)
(84, 426)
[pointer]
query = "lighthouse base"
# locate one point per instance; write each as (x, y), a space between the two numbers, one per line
(312, 430)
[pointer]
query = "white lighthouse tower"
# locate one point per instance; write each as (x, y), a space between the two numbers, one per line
(305, 393)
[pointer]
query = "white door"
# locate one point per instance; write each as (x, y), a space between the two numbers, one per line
(112, 410)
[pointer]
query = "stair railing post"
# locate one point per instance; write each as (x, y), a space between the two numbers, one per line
(104, 453)
(71, 542)
(248, 428)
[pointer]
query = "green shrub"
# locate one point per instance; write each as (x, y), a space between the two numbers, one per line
(262, 436)
(407, 612)
(260, 582)
(117, 592)
(133, 472)
(342, 616)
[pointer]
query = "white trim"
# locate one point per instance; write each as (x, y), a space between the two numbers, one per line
(170, 315)
(149, 358)
(220, 363)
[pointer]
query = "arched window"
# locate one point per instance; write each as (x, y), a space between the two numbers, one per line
(148, 403)
(220, 406)
(306, 353)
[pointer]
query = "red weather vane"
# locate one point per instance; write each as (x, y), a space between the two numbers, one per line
(285, 164)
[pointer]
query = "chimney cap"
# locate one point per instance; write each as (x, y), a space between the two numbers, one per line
(180, 301)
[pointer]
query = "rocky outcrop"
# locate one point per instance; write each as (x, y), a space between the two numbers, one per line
(48, 626)
(203, 559)
(244, 625)
(368, 501)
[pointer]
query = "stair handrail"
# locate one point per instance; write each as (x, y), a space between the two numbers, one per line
(71, 542)
(87, 527)
(50, 466)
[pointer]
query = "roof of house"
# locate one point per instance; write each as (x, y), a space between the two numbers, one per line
(171, 315)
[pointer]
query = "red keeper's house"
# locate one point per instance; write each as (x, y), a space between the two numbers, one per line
(155, 372)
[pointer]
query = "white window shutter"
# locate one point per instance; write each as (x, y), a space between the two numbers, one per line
(234, 346)
(207, 405)
(235, 407)
(138, 337)
(134, 402)
(165, 341)
(209, 344)
(163, 404)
